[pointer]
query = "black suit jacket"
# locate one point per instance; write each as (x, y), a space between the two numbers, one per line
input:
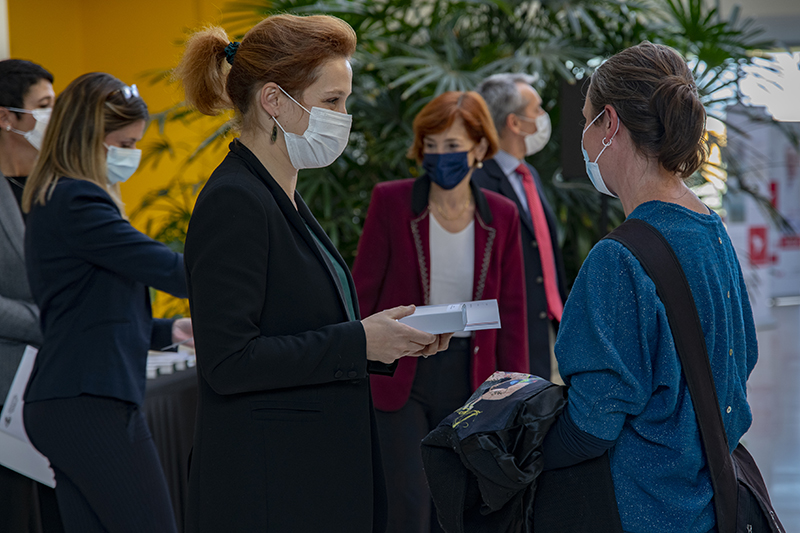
(491, 177)
(285, 437)
(89, 270)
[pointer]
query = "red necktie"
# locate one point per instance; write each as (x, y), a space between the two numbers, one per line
(554, 304)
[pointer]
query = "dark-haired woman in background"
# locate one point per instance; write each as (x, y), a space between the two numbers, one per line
(89, 270)
(644, 137)
(26, 99)
(435, 240)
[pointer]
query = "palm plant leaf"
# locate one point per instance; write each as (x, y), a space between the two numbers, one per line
(218, 136)
(409, 51)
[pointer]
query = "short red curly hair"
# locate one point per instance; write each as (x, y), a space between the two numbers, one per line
(440, 113)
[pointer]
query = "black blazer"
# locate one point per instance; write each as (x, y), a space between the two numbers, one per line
(491, 177)
(285, 438)
(89, 270)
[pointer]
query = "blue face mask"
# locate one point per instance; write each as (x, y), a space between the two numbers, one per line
(446, 170)
(121, 163)
(592, 168)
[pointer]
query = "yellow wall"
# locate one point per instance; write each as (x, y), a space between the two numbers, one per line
(124, 38)
(127, 39)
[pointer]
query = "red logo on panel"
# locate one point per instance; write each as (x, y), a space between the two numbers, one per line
(757, 245)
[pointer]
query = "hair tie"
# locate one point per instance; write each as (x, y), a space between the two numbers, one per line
(230, 51)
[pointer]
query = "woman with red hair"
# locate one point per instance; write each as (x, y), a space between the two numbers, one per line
(285, 438)
(435, 240)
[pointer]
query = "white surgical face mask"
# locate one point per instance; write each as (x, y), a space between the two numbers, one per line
(323, 141)
(593, 169)
(121, 163)
(534, 142)
(34, 136)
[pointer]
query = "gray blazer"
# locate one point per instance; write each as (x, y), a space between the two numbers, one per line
(19, 316)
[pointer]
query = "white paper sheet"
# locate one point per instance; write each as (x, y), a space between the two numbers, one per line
(16, 450)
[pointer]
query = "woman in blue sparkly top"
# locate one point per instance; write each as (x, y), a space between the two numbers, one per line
(644, 137)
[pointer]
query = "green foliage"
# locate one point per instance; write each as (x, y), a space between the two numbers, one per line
(412, 50)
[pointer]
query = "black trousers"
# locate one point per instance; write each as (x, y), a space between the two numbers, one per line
(108, 476)
(441, 385)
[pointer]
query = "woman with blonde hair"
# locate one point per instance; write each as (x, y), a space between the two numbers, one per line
(89, 270)
(285, 437)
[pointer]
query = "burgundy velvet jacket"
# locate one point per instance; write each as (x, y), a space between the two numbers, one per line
(392, 268)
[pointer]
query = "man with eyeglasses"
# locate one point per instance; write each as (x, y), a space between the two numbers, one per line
(524, 129)
(26, 98)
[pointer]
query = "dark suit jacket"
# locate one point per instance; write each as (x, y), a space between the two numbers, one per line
(19, 316)
(491, 177)
(392, 268)
(89, 270)
(285, 438)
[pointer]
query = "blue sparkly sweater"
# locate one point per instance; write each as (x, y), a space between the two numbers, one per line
(615, 351)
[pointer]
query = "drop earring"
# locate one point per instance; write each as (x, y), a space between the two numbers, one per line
(274, 136)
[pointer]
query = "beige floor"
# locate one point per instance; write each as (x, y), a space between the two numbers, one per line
(774, 396)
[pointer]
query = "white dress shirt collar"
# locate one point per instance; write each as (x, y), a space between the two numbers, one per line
(508, 164)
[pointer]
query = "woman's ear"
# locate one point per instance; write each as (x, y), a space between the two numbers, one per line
(5, 117)
(610, 123)
(480, 150)
(269, 99)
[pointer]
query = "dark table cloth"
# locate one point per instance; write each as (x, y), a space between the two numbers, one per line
(170, 404)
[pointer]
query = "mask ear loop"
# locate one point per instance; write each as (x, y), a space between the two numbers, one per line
(17, 110)
(275, 133)
(293, 100)
(583, 133)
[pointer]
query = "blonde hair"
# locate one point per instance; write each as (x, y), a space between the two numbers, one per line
(91, 107)
(285, 49)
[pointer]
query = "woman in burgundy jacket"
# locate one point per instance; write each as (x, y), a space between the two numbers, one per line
(434, 240)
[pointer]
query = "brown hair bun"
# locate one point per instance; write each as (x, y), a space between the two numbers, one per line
(653, 92)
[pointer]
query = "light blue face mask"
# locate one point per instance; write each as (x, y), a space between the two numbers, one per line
(121, 163)
(593, 169)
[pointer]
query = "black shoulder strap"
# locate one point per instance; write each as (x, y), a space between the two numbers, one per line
(659, 261)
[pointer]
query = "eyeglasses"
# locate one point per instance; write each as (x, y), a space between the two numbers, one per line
(128, 92)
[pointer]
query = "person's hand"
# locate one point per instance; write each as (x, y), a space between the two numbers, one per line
(182, 332)
(441, 343)
(389, 340)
